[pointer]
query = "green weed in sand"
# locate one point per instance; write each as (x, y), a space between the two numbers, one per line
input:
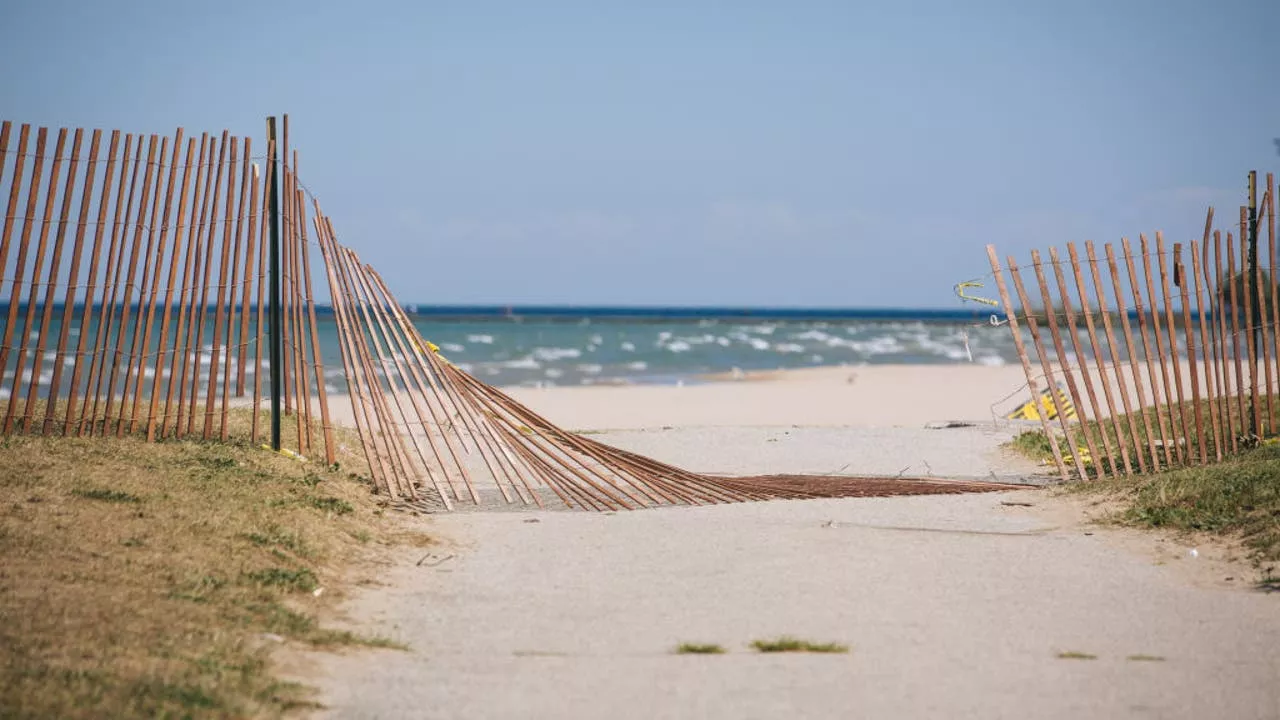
(699, 649)
(787, 643)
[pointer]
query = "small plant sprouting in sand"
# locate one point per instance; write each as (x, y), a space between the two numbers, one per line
(787, 643)
(1145, 658)
(699, 649)
(1073, 655)
(116, 496)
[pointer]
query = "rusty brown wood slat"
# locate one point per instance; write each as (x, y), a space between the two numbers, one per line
(1065, 365)
(369, 338)
(68, 303)
(1181, 272)
(1132, 348)
(364, 284)
(1158, 335)
(302, 387)
(1092, 331)
(45, 321)
(141, 332)
(91, 287)
(1074, 335)
(1208, 363)
(1050, 379)
(1224, 363)
(1113, 348)
(1241, 388)
(206, 278)
(175, 259)
(181, 360)
(236, 261)
(245, 297)
(1275, 282)
(262, 275)
(1264, 327)
(1140, 307)
(1184, 440)
(126, 303)
(15, 190)
(34, 295)
(355, 393)
(326, 425)
(1255, 429)
(148, 324)
(286, 193)
(219, 298)
(111, 281)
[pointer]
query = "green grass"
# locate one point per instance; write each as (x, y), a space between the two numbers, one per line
(787, 643)
(1239, 498)
(1073, 655)
(1145, 658)
(699, 649)
(141, 579)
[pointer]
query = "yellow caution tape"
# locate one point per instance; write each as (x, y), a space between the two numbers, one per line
(286, 452)
(960, 288)
(1045, 406)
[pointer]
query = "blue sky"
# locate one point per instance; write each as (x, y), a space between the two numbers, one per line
(803, 153)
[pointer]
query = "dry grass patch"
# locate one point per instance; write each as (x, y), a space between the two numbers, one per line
(699, 649)
(151, 579)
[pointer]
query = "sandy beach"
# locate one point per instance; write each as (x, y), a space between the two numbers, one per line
(953, 606)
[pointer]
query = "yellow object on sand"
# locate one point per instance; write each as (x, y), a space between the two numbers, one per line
(1046, 406)
(287, 453)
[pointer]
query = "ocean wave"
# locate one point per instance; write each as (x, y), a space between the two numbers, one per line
(556, 353)
(452, 347)
(679, 346)
(481, 339)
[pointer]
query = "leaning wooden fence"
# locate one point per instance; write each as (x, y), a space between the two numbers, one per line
(139, 307)
(1169, 353)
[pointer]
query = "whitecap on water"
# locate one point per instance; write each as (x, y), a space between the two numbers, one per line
(553, 372)
(637, 366)
(788, 348)
(451, 347)
(590, 368)
(758, 344)
(481, 339)
(556, 353)
(628, 347)
(524, 363)
(679, 346)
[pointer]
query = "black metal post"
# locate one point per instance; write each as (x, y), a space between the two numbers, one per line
(276, 338)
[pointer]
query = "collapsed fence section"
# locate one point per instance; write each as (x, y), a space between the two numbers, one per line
(1169, 355)
(139, 309)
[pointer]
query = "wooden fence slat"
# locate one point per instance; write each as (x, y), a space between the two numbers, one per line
(1140, 311)
(263, 242)
(1263, 326)
(1249, 326)
(45, 321)
(1241, 386)
(1085, 310)
(246, 296)
(1208, 361)
(1134, 363)
(15, 191)
(1180, 272)
(148, 323)
(1216, 292)
(33, 296)
(1114, 349)
(86, 319)
(326, 427)
(139, 346)
(286, 219)
(236, 261)
(68, 303)
(1157, 334)
(175, 259)
(190, 271)
(1275, 284)
(1184, 436)
(1074, 335)
(301, 386)
(126, 305)
(1049, 376)
(219, 298)
(206, 278)
(111, 280)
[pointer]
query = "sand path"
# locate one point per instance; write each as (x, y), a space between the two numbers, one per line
(953, 607)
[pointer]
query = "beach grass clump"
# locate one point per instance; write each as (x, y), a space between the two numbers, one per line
(1140, 657)
(1239, 497)
(153, 579)
(1074, 655)
(699, 649)
(786, 643)
(1033, 444)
